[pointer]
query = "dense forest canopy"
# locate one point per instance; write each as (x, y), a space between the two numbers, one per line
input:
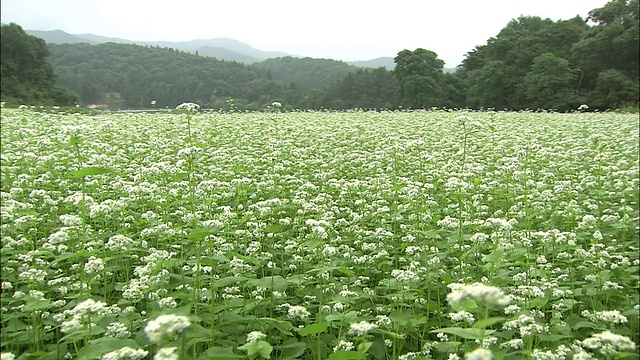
(532, 63)
(26, 74)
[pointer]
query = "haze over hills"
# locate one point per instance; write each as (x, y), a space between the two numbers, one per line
(220, 48)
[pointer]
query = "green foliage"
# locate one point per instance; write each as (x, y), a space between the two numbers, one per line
(420, 77)
(550, 84)
(27, 76)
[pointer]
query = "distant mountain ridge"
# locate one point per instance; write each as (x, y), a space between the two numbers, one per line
(220, 48)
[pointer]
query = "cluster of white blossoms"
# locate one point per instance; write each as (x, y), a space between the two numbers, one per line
(125, 353)
(81, 313)
(479, 354)
(490, 295)
(611, 317)
(188, 107)
(165, 327)
(167, 353)
(117, 330)
(361, 328)
(608, 343)
(462, 316)
(255, 336)
(296, 311)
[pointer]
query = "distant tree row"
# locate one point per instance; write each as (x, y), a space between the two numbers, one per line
(532, 63)
(536, 63)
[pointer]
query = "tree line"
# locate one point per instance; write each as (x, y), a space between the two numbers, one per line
(532, 63)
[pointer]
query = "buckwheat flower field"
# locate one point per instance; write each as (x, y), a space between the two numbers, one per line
(319, 235)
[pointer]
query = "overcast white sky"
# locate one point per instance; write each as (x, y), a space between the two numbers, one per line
(339, 29)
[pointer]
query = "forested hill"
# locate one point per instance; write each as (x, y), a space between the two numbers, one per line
(131, 76)
(532, 63)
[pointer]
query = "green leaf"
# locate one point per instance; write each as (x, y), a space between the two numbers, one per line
(277, 283)
(34, 304)
(97, 348)
(179, 176)
(274, 229)
(583, 324)
(347, 355)
(199, 234)
(314, 329)
(90, 171)
(464, 333)
(552, 337)
(227, 281)
(293, 349)
(345, 271)
(284, 327)
(484, 323)
(448, 346)
(259, 348)
(219, 353)
(363, 347)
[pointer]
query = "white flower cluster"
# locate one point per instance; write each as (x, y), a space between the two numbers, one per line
(296, 311)
(361, 328)
(80, 313)
(255, 336)
(462, 316)
(479, 354)
(94, 265)
(117, 330)
(188, 107)
(344, 345)
(126, 352)
(490, 295)
(164, 327)
(167, 353)
(608, 343)
(611, 317)
(119, 243)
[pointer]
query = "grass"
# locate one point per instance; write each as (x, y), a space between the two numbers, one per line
(319, 235)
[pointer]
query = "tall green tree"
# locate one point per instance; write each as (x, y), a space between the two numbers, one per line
(27, 76)
(550, 84)
(612, 44)
(495, 72)
(420, 78)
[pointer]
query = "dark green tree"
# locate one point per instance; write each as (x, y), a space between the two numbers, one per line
(615, 89)
(420, 78)
(550, 84)
(27, 76)
(612, 44)
(495, 72)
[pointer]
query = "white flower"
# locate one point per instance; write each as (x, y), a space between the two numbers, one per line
(297, 311)
(462, 316)
(117, 330)
(165, 327)
(168, 353)
(188, 107)
(613, 316)
(344, 345)
(7, 356)
(255, 336)
(477, 291)
(94, 265)
(125, 353)
(479, 354)
(362, 328)
(608, 343)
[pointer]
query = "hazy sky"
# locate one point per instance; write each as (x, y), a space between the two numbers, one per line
(339, 29)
